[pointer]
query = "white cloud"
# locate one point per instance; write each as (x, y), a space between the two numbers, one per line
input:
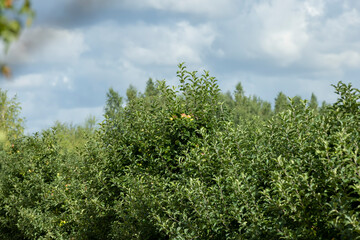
(337, 33)
(47, 45)
(146, 44)
(283, 33)
(339, 61)
(334, 46)
(271, 30)
(39, 94)
(203, 7)
(314, 8)
(293, 34)
(28, 81)
(170, 45)
(36, 81)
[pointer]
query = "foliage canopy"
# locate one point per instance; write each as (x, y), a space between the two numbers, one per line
(190, 163)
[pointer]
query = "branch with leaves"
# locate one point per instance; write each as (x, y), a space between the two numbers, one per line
(14, 16)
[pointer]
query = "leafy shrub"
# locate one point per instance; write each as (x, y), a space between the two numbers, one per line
(48, 192)
(172, 165)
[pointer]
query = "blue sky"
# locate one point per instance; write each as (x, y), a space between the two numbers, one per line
(77, 49)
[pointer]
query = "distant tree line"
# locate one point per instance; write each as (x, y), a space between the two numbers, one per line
(240, 106)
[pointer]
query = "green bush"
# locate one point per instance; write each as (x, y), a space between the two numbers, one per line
(173, 165)
(48, 192)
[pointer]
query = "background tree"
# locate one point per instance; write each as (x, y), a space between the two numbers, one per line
(324, 107)
(313, 104)
(239, 93)
(297, 100)
(266, 109)
(281, 102)
(113, 105)
(73, 137)
(247, 107)
(131, 93)
(151, 88)
(228, 100)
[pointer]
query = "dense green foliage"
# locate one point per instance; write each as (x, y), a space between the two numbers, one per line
(190, 163)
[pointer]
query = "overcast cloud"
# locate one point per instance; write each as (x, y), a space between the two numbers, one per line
(65, 63)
